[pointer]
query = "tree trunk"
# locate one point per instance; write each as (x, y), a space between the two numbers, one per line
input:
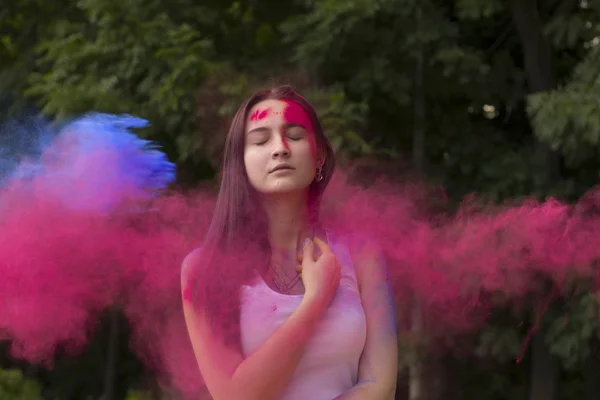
(545, 371)
(416, 371)
(541, 76)
(112, 355)
(418, 148)
(592, 373)
(416, 378)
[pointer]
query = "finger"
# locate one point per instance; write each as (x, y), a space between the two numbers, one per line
(308, 250)
(301, 256)
(321, 245)
(322, 248)
(299, 268)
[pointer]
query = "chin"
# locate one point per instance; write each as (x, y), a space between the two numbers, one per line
(282, 191)
(285, 188)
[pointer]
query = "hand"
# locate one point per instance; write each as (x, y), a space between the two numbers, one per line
(321, 276)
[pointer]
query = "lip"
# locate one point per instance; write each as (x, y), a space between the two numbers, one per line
(282, 167)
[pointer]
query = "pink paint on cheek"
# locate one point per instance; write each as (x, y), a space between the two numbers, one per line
(260, 114)
(294, 114)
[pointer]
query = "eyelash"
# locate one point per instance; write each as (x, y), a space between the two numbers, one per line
(295, 139)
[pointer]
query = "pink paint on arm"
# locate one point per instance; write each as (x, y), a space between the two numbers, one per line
(188, 293)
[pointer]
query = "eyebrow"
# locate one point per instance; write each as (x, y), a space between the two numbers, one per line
(262, 129)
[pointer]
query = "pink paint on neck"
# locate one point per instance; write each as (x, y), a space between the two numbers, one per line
(260, 114)
(294, 114)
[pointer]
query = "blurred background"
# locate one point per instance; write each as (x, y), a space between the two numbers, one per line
(500, 97)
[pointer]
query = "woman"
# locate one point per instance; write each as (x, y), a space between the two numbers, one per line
(261, 326)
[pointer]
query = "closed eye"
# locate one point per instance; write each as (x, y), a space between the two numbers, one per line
(295, 133)
(260, 139)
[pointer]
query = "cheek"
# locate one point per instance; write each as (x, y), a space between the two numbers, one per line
(248, 163)
(307, 153)
(308, 149)
(253, 161)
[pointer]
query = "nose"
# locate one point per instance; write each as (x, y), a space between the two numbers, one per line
(281, 148)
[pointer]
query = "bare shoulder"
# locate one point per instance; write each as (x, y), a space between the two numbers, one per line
(193, 257)
(191, 260)
(216, 360)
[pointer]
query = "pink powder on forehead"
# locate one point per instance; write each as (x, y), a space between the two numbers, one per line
(259, 114)
(294, 114)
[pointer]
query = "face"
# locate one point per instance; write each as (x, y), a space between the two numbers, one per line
(280, 152)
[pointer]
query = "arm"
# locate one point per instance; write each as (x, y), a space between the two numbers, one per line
(265, 373)
(378, 368)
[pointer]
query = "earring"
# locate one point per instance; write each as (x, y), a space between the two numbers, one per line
(319, 176)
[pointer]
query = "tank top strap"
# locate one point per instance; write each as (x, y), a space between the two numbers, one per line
(342, 253)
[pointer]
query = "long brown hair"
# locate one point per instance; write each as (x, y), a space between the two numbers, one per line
(238, 231)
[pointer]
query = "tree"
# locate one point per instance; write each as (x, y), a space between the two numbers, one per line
(476, 86)
(470, 94)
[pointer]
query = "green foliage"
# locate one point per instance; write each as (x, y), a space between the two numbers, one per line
(338, 37)
(186, 66)
(467, 147)
(569, 117)
(123, 57)
(568, 30)
(492, 382)
(13, 386)
(21, 24)
(341, 118)
(570, 333)
(98, 62)
(478, 9)
(499, 342)
(137, 395)
(569, 326)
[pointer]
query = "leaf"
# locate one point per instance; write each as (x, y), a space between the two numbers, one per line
(478, 9)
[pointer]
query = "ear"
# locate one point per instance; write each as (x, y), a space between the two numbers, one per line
(320, 158)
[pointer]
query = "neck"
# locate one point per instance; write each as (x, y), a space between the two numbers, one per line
(288, 220)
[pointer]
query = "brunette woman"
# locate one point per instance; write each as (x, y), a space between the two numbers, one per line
(266, 322)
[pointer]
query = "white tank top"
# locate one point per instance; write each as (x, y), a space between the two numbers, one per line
(329, 366)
